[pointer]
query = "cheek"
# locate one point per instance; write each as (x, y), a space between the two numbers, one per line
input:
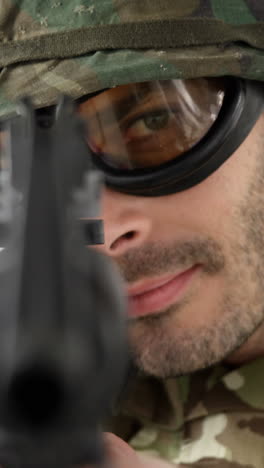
(207, 208)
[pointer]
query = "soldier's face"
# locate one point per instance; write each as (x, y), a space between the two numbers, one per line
(193, 263)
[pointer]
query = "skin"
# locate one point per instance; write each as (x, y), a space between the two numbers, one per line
(218, 224)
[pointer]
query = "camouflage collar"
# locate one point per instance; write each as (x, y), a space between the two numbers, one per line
(170, 403)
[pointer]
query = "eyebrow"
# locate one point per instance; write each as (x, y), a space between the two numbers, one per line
(123, 105)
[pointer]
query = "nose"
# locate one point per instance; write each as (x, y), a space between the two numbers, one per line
(127, 224)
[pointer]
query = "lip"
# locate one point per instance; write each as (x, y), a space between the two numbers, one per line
(153, 296)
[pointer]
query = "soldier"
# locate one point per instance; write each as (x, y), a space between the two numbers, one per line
(174, 104)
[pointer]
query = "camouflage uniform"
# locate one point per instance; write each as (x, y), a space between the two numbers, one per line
(215, 418)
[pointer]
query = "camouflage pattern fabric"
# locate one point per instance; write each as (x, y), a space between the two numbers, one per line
(81, 46)
(49, 47)
(212, 419)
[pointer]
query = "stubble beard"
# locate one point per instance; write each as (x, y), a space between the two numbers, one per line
(160, 351)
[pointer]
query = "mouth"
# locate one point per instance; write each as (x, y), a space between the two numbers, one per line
(156, 295)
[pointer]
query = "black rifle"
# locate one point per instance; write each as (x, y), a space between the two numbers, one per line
(62, 325)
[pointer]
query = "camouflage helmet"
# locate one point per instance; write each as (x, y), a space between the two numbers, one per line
(81, 46)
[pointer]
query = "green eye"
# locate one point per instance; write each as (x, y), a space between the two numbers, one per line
(157, 120)
(148, 124)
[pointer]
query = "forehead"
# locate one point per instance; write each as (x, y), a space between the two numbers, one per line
(127, 95)
(119, 94)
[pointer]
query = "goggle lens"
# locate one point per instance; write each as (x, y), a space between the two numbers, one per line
(145, 125)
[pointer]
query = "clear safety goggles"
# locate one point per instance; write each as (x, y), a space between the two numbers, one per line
(160, 137)
(153, 138)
